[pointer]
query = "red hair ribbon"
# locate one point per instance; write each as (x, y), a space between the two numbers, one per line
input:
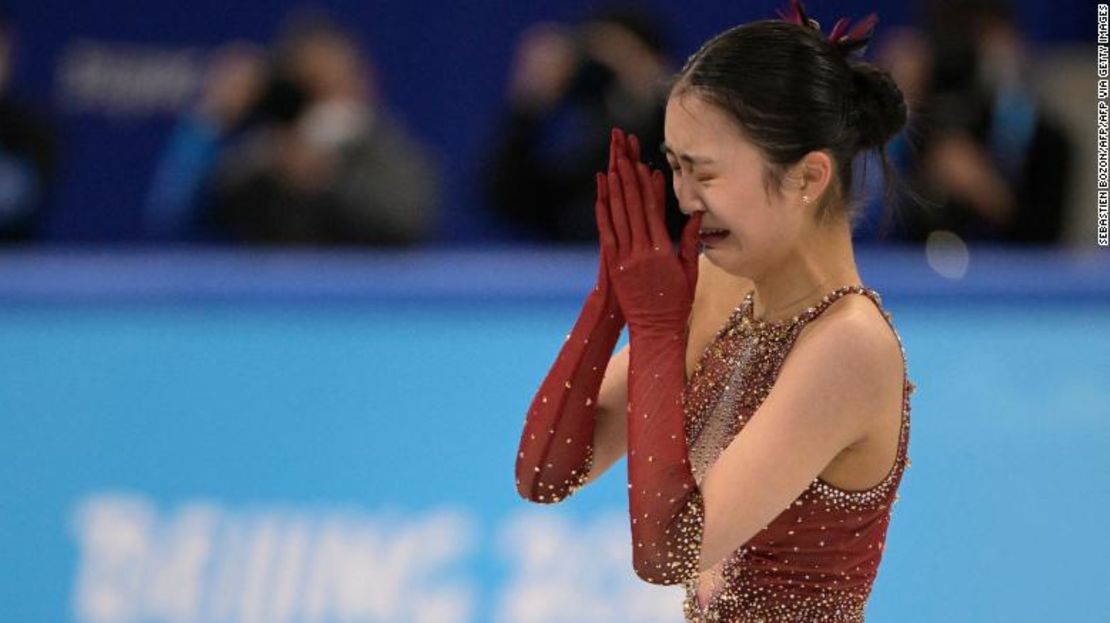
(847, 41)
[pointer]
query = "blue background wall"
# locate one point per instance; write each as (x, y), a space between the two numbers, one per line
(443, 70)
(249, 437)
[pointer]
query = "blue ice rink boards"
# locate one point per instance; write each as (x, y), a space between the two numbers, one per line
(218, 436)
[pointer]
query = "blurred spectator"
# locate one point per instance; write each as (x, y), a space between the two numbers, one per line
(232, 87)
(27, 153)
(300, 151)
(905, 53)
(993, 160)
(568, 86)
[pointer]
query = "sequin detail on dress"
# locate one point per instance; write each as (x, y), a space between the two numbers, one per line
(817, 560)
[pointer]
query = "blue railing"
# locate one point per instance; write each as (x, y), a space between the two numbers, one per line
(66, 275)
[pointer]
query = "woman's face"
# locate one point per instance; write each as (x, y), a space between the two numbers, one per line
(720, 172)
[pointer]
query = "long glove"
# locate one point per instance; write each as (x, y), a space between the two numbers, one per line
(655, 289)
(555, 454)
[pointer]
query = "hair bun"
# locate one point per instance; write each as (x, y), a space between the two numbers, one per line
(880, 105)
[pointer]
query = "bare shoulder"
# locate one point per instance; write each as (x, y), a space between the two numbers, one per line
(857, 317)
(856, 344)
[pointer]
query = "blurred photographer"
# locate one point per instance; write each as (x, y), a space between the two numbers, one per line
(994, 158)
(298, 150)
(568, 86)
(232, 87)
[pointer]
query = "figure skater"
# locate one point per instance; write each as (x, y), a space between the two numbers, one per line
(764, 412)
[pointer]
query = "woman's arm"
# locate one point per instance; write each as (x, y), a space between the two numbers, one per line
(556, 450)
(577, 402)
(557, 447)
(655, 290)
(611, 431)
(715, 298)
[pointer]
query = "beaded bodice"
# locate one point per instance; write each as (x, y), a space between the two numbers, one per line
(817, 560)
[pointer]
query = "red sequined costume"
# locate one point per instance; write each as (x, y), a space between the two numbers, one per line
(818, 559)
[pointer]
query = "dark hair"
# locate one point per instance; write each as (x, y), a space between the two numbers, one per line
(791, 91)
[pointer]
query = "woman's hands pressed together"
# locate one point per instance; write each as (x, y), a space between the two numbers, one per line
(655, 290)
(654, 286)
(643, 280)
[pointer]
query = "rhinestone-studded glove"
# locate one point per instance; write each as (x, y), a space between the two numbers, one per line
(655, 289)
(556, 448)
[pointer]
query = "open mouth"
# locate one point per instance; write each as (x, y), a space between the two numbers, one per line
(712, 235)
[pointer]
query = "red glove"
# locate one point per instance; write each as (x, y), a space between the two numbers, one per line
(655, 288)
(556, 448)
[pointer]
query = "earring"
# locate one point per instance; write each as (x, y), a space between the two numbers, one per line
(805, 199)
